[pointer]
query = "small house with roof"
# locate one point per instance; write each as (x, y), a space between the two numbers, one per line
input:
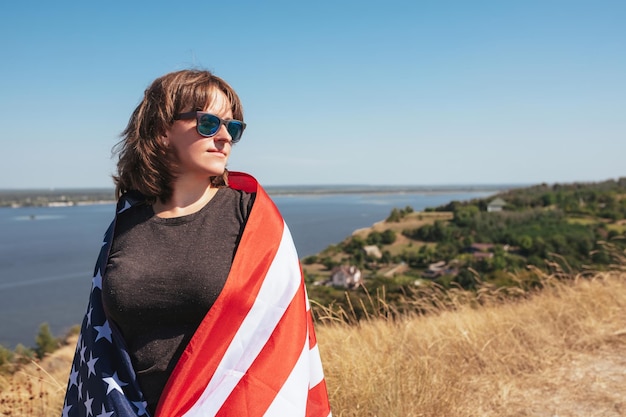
(372, 251)
(345, 276)
(496, 204)
(438, 269)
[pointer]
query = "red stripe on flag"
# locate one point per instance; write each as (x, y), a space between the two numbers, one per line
(257, 248)
(317, 403)
(272, 366)
(312, 337)
(242, 181)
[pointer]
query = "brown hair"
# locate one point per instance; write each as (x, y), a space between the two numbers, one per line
(144, 164)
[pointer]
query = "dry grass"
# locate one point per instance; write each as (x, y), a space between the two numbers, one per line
(558, 352)
(38, 388)
(555, 353)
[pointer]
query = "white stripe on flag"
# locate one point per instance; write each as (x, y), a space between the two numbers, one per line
(291, 399)
(316, 371)
(308, 304)
(278, 289)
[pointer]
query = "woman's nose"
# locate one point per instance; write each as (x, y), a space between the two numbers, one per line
(222, 134)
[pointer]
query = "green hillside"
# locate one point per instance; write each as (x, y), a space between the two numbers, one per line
(573, 228)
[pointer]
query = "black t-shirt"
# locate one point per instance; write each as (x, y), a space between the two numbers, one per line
(163, 276)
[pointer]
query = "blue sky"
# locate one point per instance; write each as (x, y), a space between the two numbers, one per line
(334, 92)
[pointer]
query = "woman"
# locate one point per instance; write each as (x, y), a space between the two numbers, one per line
(198, 305)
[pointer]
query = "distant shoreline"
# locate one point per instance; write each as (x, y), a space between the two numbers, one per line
(75, 197)
(55, 198)
(381, 189)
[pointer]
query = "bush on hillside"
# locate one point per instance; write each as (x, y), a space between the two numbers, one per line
(45, 342)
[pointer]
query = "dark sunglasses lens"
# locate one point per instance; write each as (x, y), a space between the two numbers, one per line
(208, 125)
(235, 130)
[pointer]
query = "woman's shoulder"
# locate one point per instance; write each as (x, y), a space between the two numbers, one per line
(238, 193)
(243, 199)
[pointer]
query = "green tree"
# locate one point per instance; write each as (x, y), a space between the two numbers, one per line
(374, 238)
(394, 217)
(548, 199)
(526, 243)
(464, 216)
(465, 279)
(328, 263)
(45, 342)
(309, 260)
(388, 237)
(354, 245)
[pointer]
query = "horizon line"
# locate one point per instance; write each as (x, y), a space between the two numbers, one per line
(293, 186)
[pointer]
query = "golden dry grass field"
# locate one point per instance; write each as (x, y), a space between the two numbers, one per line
(557, 352)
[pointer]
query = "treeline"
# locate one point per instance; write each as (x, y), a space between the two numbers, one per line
(604, 199)
(41, 198)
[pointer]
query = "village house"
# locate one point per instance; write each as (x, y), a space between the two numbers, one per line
(345, 276)
(496, 204)
(372, 251)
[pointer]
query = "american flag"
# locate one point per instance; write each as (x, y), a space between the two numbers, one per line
(254, 354)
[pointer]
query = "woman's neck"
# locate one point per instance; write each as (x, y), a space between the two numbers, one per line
(187, 198)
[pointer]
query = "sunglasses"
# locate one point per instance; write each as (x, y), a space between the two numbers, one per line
(208, 124)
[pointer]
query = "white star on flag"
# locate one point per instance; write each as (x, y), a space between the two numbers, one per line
(114, 383)
(83, 349)
(91, 364)
(73, 377)
(127, 205)
(104, 331)
(97, 281)
(66, 410)
(88, 402)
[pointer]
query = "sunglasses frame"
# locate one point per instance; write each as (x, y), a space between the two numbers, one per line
(197, 114)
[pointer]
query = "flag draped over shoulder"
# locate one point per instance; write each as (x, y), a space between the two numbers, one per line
(254, 354)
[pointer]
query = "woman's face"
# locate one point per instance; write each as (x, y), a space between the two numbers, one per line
(196, 155)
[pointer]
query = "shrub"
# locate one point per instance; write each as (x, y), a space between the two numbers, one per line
(45, 342)
(22, 354)
(309, 260)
